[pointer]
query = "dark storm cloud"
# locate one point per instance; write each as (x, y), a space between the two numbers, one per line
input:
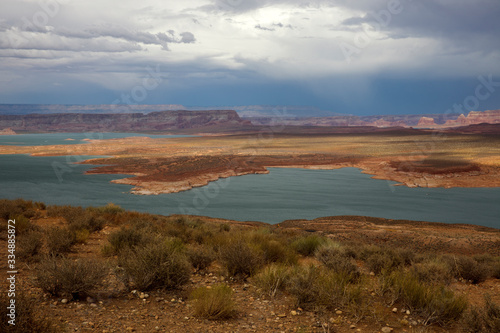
(466, 23)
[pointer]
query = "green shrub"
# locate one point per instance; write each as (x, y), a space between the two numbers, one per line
(201, 257)
(436, 303)
(485, 319)
(214, 303)
(272, 278)
(60, 240)
(64, 276)
(308, 245)
(27, 319)
(156, 265)
(239, 259)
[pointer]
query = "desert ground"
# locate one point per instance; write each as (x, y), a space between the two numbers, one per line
(74, 273)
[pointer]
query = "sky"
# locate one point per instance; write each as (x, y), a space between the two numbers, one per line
(345, 56)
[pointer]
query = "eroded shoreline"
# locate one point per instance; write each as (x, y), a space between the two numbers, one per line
(177, 164)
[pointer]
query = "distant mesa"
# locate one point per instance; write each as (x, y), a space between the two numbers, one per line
(7, 131)
(426, 122)
(126, 122)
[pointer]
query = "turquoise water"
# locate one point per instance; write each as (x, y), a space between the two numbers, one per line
(280, 195)
(62, 138)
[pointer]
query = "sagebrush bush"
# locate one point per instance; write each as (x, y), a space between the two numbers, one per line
(469, 269)
(378, 262)
(436, 303)
(60, 240)
(214, 303)
(67, 277)
(308, 245)
(318, 287)
(127, 238)
(239, 259)
(26, 317)
(433, 271)
(495, 269)
(275, 251)
(29, 245)
(200, 256)
(272, 278)
(87, 222)
(157, 265)
(485, 319)
(335, 258)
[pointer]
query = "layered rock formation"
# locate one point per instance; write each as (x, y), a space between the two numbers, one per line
(154, 121)
(473, 118)
(7, 131)
(426, 122)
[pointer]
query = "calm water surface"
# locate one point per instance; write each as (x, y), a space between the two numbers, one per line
(282, 194)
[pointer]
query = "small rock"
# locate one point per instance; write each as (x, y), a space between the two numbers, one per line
(282, 315)
(338, 312)
(413, 323)
(404, 322)
(352, 327)
(64, 301)
(93, 305)
(293, 313)
(408, 312)
(372, 274)
(387, 329)
(395, 310)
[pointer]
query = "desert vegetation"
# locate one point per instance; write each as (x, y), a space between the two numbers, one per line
(216, 273)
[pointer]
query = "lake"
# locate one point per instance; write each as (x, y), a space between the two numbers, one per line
(284, 193)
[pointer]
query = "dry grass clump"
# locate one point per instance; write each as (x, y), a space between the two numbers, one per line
(215, 303)
(435, 303)
(272, 278)
(485, 319)
(26, 320)
(72, 278)
(157, 265)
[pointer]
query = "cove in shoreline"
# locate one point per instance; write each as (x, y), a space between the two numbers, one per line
(284, 193)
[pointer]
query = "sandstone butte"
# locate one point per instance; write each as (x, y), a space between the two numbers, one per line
(473, 118)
